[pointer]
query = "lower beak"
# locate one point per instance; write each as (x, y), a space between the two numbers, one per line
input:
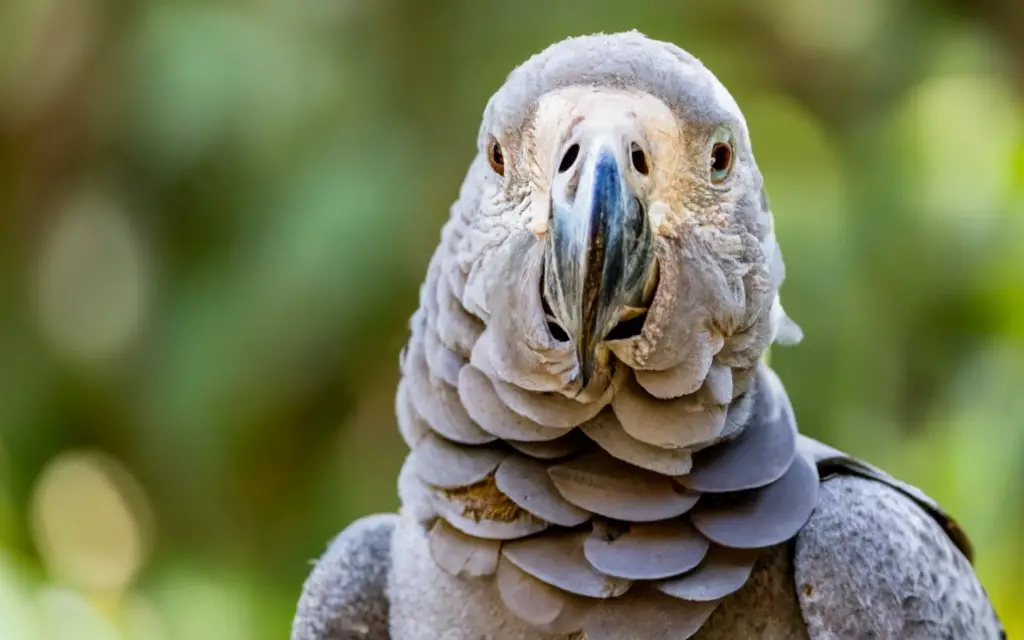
(599, 257)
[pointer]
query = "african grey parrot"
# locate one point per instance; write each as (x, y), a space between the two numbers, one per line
(597, 448)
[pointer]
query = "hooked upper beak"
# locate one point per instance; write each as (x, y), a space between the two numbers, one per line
(599, 254)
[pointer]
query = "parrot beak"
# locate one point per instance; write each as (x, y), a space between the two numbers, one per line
(599, 254)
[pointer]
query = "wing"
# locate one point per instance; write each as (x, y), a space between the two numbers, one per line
(874, 562)
(344, 597)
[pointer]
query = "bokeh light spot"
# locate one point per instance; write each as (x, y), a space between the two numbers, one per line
(89, 522)
(963, 131)
(827, 26)
(91, 279)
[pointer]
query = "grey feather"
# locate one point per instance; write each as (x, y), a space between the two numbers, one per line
(701, 287)
(557, 559)
(647, 551)
(756, 457)
(444, 464)
(682, 379)
(428, 293)
(603, 485)
(549, 409)
(909, 560)
(344, 596)
(679, 423)
(742, 378)
(456, 328)
(442, 361)
(411, 427)
(722, 572)
(462, 555)
(561, 447)
(717, 388)
(438, 403)
(872, 563)
(606, 431)
(540, 604)
(527, 483)
(485, 407)
(455, 512)
(553, 410)
(649, 615)
(761, 517)
(415, 494)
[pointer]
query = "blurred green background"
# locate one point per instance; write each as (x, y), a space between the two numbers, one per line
(214, 218)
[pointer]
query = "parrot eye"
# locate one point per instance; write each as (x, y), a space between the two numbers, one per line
(721, 161)
(496, 157)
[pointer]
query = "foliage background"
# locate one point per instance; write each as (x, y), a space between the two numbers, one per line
(214, 217)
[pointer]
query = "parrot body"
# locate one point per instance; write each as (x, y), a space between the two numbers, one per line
(597, 449)
(870, 563)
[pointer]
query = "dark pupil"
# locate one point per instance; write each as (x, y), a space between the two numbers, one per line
(720, 157)
(496, 154)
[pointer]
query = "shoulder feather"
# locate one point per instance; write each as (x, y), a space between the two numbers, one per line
(344, 597)
(871, 563)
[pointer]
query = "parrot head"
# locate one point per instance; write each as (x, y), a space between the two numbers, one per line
(646, 210)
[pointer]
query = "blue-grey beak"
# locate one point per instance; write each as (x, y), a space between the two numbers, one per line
(599, 255)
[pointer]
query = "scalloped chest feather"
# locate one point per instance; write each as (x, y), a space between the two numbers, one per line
(590, 513)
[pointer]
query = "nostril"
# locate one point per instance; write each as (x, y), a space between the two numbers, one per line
(557, 332)
(569, 158)
(639, 159)
(628, 328)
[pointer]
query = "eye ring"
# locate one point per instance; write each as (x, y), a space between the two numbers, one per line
(496, 157)
(721, 161)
